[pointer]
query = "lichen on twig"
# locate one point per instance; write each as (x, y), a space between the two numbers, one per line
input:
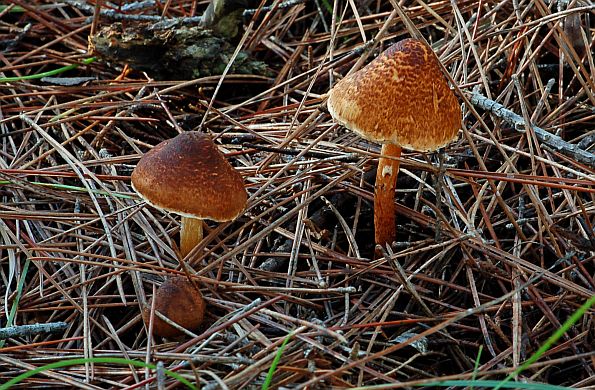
(32, 329)
(517, 121)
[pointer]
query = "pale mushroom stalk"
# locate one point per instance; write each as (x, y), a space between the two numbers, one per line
(384, 194)
(189, 176)
(190, 234)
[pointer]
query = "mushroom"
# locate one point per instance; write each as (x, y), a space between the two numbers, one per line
(402, 100)
(180, 301)
(188, 175)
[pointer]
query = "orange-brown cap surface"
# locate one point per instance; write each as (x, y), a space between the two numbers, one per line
(181, 302)
(188, 175)
(401, 97)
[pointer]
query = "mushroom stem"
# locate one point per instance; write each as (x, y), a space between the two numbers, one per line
(190, 234)
(384, 194)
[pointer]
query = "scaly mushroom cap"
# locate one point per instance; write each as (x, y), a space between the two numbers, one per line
(189, 176)
(401, 97)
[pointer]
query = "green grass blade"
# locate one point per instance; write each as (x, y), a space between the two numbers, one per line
(328, 6)
(15, 9)
(15, 301)
(476, 367)
(474, 383)
(75, 188)
(274, 364)
(496, 383)
(506, 383)
(74, 362)
(49, 73)
(575, 317)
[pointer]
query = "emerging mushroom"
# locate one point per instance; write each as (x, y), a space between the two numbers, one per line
(188, 175)
(401, 99)
(180, 301)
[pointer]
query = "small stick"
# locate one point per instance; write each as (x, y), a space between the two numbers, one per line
(33, 329)
(285, 4)
(553, 141)
(116, 15)
(160, 376)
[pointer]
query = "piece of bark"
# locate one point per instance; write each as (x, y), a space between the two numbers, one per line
(224, 16)
(180, 53)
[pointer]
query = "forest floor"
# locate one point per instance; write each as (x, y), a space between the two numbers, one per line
(493, 266)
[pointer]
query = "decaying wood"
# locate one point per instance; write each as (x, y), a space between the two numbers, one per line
(173, 53)
(224, 16)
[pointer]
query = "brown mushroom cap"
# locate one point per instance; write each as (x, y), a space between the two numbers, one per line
(178, 300)
(401, 97)
(189, 176)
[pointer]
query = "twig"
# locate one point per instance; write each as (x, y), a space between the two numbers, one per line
(33, 329)
(542, 135)
(160, 22)
(285, 4)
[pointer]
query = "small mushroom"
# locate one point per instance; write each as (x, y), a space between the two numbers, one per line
(402, 100)
(188, 175)
(179, 300)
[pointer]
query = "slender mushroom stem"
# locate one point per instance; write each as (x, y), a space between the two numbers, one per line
(190, 234)
(384, 194)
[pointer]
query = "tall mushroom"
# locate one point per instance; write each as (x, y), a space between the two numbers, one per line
(402, 100)
(188, 175)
